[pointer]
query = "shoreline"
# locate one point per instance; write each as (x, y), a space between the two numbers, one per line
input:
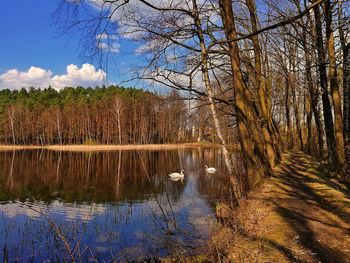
(101, 147)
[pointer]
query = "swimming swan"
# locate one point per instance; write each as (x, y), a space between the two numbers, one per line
(210, 170)
(177, 175)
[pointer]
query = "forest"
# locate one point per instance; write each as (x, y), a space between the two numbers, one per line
(107, 115)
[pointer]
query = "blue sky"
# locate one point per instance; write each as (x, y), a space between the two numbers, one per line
(31, 44)
(30, 39)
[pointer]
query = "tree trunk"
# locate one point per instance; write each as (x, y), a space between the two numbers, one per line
(256, 166)
(289, 130)
(116, 111)
(308, 112)
(333, 77)
(312, 98)
(269, 145)
(205, 71)
(296, 104)
(58, 126)
(346, 79)
(314, 93)
(272, 125)
(346, 87)
(327, 110)
(11, 115)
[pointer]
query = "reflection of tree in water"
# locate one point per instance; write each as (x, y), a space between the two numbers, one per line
(119, 181)
(214, 187)
(87, 176)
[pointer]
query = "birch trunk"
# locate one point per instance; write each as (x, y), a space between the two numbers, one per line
(116, 111)
(11, 115)
(205, 72)
(58, 126)
(327, 110)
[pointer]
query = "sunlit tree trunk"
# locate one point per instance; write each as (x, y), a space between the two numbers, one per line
(327, 110)
(205, 71)
(333, 79)
(313, 101)
(346, 79)
(11, 115)
(346, 85)
(275, 131)
(58, 123)
(255, 161)
(289, 129)
(315, 93)
(117, 106)
(308, 114)
(296, 103)
(263, 103)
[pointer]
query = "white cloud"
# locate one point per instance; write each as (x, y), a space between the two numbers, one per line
(114, 48)
(69, 211)
(14, 79)
(106, 36)
(105, 43)
(85, 76)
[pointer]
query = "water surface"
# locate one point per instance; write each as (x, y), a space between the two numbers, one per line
(105, 206)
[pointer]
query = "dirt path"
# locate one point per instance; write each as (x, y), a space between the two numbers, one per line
(300, 215)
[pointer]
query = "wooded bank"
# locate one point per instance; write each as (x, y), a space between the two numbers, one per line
(106, 115)
(110, 115)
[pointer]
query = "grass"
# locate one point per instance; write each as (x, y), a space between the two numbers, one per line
(299, 215)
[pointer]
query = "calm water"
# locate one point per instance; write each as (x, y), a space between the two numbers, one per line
(56, 206)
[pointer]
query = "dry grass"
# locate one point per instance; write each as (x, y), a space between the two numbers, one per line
(300, 215)
(128, 147)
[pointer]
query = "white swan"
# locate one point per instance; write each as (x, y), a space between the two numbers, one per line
(177, 176)
(210, 170)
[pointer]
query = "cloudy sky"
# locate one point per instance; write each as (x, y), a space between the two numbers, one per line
(33, 52)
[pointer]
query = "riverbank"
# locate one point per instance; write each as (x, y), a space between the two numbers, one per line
(127, 147)
(302, 214)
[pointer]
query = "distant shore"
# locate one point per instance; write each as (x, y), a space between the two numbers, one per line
(101, 147)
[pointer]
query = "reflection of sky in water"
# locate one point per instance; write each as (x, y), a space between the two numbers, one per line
(107, 229)
(129, 227)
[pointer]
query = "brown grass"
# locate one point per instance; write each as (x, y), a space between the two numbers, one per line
(299, 215)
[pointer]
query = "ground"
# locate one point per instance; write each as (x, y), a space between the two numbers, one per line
(301, 214)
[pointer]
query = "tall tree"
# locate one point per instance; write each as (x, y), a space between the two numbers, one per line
(206, 77)
(272, 153)
(256, 165)
(333, 79)
(327, 110)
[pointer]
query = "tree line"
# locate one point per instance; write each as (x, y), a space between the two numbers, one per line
(107, 115)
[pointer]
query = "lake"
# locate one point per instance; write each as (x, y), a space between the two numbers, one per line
(105, 206)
